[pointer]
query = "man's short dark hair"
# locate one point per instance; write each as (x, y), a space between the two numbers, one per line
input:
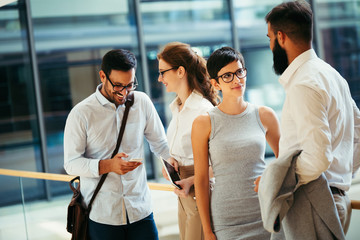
(222, 57)
(294, 19)
(118, 59)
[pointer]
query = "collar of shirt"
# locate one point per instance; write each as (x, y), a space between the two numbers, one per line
(286, 77)
(192, 102)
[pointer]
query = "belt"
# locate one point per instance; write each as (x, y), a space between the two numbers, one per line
(336, 190)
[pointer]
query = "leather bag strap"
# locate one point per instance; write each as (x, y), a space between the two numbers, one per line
(129, 102)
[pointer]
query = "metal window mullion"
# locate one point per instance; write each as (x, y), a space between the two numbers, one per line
(38, 99)
(317, 38)
(144, 64)
(235, 38)
(142, 48)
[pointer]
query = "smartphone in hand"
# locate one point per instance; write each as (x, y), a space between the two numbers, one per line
(136, 160)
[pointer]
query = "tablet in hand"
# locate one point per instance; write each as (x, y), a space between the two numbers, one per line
(172, 173)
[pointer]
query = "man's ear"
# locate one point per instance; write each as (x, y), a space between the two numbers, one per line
(281, 37)
(215, 84)
(102, 76)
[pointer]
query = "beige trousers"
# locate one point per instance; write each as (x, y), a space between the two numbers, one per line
(188, 216)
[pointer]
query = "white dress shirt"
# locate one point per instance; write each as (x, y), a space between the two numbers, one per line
(91, 133)
(179, 130)
(319, 117)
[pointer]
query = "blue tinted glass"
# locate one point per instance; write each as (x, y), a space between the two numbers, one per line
(20, 143)
(338, 31)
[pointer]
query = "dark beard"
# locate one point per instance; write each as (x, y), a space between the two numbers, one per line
(111, 96)
(280, 59)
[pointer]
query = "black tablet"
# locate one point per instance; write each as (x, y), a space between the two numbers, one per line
(172, 173)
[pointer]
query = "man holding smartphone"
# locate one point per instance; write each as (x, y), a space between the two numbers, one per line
(123, 204)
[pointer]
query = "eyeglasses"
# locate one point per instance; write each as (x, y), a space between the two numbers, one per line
(229, 76)
(162, 72)
(118, 88)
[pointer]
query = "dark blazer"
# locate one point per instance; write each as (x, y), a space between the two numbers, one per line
(304, 212)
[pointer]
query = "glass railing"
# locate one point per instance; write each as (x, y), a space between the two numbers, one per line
(34, 218)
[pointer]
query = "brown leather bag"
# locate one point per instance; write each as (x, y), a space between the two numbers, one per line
(78, 213)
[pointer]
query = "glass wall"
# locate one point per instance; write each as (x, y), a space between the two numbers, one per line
(338, 30)
(70, 38)
(20, 143)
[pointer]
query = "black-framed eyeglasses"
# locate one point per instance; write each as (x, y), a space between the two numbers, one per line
(118, 88)
(229, 76)
(162, 72)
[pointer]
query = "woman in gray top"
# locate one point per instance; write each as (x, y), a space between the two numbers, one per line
(232, 136)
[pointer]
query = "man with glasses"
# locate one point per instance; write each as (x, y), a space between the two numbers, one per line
(122, 208)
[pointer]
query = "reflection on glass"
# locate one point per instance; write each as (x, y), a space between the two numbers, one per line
(337, 10)
(29, 218)
(19, 132)
(339, 42)
(12, 221)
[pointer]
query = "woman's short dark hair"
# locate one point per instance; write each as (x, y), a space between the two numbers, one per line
(222, 57)
(118, 59)
(294, 19)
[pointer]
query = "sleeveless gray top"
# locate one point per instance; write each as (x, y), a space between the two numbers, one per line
(236, 148)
